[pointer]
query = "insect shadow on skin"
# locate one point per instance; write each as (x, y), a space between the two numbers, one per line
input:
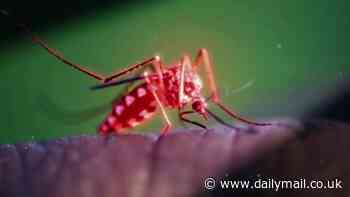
(153, 85)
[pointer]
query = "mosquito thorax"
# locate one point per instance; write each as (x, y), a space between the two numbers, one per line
(192, 87)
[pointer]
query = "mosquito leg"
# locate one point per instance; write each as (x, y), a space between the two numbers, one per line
(154, 61)
(168, 125)
(82, 69)
(203, 58)
(157, 67)
(183, 118)
(185, 63)
(36, 39)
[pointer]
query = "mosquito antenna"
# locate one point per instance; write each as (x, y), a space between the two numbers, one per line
(217, 118)
(115, 83)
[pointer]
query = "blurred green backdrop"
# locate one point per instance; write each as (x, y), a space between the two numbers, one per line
(286, 51)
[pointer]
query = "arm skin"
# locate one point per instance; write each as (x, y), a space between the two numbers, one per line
(177, 164)
(135, 164)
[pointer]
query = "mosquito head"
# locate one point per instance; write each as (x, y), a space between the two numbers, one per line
(200, 106)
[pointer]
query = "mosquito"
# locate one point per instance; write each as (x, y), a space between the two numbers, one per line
(153, 85)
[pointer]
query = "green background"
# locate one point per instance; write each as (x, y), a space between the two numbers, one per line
(292, 53)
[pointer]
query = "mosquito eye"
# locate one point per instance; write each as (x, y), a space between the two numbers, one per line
(197, 106)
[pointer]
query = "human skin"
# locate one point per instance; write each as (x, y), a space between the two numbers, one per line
(178, 163)
(135, 165)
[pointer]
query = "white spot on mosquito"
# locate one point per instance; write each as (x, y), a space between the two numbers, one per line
(129, 100)
(119, 109)
(197, 81)
(185, 99)
(143, 113)
(141, 92)
(148, 115)
(111, 120)
(157, 57)
(132, 122)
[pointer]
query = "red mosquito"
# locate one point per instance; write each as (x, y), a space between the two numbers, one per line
(160, 86)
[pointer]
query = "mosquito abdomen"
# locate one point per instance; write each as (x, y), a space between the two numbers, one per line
(131, 110)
